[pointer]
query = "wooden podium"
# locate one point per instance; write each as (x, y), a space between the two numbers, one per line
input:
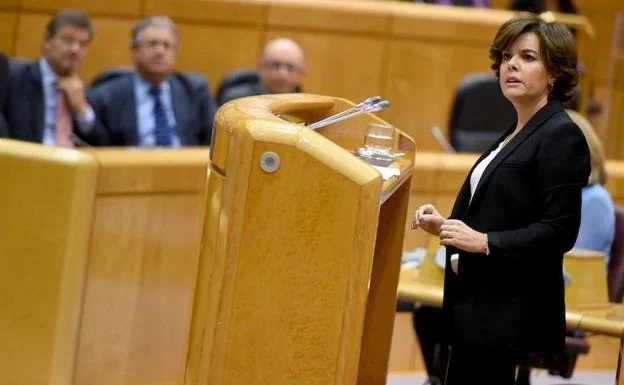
(107, 277)
(301, 249)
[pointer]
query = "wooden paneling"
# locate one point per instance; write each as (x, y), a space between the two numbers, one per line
(9, 4)
(343, 66)
(108, 7)
(215, 50)
(110, 47)
(30, 33)
(420, 83)
(140, 288)
(467, 25)
(47, 205)
(355, 17)
(231, 12)
(8, 23)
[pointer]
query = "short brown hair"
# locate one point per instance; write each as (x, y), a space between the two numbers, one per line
(557, 51)
(69, 17)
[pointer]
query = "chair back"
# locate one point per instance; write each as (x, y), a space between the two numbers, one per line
(233, 79)
(480, 114)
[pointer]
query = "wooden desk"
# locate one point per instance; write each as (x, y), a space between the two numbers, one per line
(608, 320)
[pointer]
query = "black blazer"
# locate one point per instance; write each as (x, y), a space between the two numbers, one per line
(24, 106)
(528, 201)
(116, 110)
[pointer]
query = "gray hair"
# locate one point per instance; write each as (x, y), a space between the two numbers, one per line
(152, 21)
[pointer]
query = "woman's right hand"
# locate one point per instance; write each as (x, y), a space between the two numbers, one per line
(428, 219)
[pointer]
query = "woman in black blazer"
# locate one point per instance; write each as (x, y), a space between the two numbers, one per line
(516, 215)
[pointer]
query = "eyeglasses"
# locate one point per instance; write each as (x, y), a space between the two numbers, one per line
(153, 44)
(69, 41)
(276, 65)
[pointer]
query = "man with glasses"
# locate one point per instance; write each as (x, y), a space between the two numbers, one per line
(154, 106)
(281, 70)
(45, 100)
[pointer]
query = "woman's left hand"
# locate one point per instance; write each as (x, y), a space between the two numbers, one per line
(457, 234)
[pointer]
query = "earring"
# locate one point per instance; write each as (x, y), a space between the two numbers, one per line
(550, 86)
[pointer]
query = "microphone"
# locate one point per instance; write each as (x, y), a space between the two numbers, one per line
(439, 137)
(366, 108)
(368, 102)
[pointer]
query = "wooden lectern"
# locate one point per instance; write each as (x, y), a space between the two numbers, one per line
(301, 249)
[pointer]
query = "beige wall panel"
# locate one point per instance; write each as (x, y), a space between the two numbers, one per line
(139, 291)
(343, 66)
(468, 25)
(500, 4)
(369, 18)
(30, 33)
(107, 7)
(405, 353)
(419, 78)
(8, 21)
(235, 12)
(215, 51)
(110, 48)
(602, 356)
(601, 14)
(9, 4)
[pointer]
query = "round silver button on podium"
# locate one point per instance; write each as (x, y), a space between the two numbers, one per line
(269, 162)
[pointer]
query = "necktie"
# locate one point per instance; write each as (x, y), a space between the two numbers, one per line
(162, 129)
(63, 127)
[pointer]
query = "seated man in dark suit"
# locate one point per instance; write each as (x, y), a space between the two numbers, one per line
(46, 100)
(154, 105)
(281, 69)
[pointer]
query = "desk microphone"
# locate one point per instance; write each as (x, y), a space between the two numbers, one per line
(437, 134)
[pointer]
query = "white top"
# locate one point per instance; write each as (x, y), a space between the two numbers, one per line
(477, 173)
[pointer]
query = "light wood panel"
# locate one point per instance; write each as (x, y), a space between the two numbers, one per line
(358, 17)
(129, 8)
(212, 59)
(420, 82)
(110, 47)
(47, 205)
(471, 26)
(8, 24)
(207, 11)
(9, 4)
(331, 63)
(139, 290)
(30, 34)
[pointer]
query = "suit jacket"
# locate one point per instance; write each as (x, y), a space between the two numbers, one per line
(24, 108)
(116, 110)
(528, 201)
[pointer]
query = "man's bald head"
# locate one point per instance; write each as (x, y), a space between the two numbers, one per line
(281, 66)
